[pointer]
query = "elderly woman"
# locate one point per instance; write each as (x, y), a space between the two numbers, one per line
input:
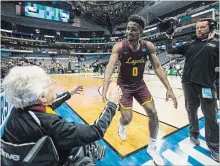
(30, 88)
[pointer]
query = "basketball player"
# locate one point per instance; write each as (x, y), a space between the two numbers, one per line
(132, 54)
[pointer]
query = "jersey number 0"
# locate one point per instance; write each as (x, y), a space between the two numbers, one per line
(134, 71)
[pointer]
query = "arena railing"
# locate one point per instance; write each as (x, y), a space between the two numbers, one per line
(43, 41)
(47, 36)
(14, 50)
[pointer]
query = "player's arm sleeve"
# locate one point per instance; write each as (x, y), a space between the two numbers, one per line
(67, 135)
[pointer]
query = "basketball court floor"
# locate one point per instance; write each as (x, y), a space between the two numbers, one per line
(176, 148)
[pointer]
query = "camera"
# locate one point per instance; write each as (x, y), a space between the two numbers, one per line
(168, 25)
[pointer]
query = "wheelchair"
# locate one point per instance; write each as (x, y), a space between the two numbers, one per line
(44, 153)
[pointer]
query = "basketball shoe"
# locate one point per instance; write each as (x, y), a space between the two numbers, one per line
(155, 155)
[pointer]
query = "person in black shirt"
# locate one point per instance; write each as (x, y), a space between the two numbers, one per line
(198, 81)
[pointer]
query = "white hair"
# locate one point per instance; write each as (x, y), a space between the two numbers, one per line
(23, 85)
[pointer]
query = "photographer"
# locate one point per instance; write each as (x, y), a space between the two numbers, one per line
(31, 89)
(198, 81)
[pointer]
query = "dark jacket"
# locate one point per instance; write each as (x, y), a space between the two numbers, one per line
(202, 56)
(22, 128)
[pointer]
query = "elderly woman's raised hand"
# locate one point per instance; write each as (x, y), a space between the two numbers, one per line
(76, 90)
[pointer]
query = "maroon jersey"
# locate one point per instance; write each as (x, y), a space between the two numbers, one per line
(132, 65)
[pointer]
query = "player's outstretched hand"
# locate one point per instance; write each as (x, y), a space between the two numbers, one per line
(76, 90)
(171, 95)
(114, 94)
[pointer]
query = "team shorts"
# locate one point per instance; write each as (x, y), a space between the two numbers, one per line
(141, 94)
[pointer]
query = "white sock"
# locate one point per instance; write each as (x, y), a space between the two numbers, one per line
(153, 142)
(120, 122)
